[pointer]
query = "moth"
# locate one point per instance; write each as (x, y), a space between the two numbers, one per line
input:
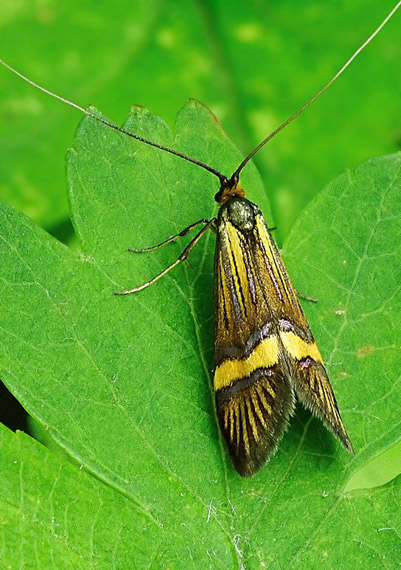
(265, 355)
(264, 350)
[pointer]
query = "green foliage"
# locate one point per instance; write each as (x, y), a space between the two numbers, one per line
(254, 63)
(122, 384)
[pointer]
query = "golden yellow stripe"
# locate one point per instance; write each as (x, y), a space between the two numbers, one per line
(274, 263)
(232, 421)
(257, 408)
(265, 354)
(300, 349)
(262, 397)
(251, 418)
(236, 260)
(235, 423)
(245, 437)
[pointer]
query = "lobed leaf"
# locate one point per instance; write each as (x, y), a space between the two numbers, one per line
(122, 384)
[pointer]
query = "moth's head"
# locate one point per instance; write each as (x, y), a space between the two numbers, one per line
(229, 188)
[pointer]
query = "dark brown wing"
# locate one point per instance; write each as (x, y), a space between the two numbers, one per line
(264, 349)
(254, 394)
(310, 378)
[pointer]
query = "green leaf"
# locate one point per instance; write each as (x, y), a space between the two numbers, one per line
(379, 471)
(254, 63)
(122, 384)
(45, 503)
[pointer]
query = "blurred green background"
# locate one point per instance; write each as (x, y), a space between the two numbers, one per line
(253, 63)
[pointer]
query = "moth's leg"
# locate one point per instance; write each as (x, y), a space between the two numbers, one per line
(183, 233)
(183, 256)
(306, 298)
(213, 227)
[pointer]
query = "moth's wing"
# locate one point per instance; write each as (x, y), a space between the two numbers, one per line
(309, 375)
(254, 393)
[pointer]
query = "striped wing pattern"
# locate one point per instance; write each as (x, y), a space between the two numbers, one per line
(310, 379)
(264, 349)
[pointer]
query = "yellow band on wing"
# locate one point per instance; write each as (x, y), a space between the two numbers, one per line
(264, 355)
(300, 349)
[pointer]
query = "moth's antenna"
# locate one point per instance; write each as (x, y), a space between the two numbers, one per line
(235, 176)
(222, 178)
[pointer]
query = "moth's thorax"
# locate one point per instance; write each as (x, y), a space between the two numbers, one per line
(240, 212)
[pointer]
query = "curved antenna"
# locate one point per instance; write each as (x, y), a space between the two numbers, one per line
(235, 176)
(221, 177)
(224, 182)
